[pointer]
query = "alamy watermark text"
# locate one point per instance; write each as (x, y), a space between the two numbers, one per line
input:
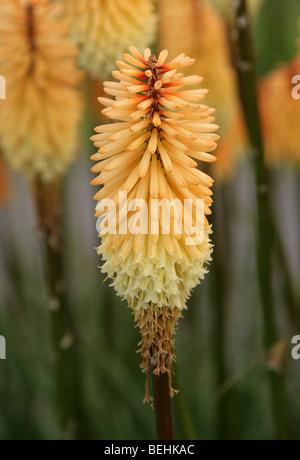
(296, 88)
(2, 347)
(2, 87)
(296, 349)
(154, 217)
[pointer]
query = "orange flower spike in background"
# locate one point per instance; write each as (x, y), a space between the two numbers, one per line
(195, 27)
(150, 153)
(39, 119)
(281, 114)
(198, 29)
(280, 109)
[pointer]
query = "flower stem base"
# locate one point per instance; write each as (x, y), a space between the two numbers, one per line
(157, 326)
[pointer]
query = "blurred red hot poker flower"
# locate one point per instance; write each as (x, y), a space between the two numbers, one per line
(104, 29)
(39, 118)
(281, 114)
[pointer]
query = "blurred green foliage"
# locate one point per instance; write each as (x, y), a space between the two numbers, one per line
(276, 33)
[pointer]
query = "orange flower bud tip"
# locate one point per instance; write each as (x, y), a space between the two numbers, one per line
(94, 181)
(137, 54)
(162, 58)
(134, 61)
(147, 53)
(96, 157)
(103, 101)
(192, 163)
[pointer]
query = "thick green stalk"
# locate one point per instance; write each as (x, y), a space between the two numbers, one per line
(221, 286)
(62, 327)
(291, 300)
(247, 78)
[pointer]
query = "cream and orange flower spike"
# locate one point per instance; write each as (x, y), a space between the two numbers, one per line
(150, 155)
(39, 118)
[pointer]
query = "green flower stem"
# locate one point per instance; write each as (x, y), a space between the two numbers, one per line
(247, 78)
(62, 326)
(182, 410)
(291, 300)
(221, 286)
